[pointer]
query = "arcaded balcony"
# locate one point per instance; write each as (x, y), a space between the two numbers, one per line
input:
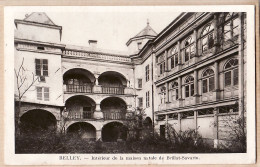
(113, 108)
(112, 83)
(78, 81)
(80, 107)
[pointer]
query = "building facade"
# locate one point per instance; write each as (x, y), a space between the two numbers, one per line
(190, 75)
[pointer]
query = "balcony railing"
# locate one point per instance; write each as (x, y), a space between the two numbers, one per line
(113, 90)
(87, 115)
(85, 88)
(114, 115)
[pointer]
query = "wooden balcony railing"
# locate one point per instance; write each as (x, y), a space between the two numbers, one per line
(114, 115)
(85, 88)
(113, 90)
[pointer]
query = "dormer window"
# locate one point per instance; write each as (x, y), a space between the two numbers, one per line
(139, 45)
(40, 48)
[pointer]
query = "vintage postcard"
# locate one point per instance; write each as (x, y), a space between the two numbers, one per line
(129, 85)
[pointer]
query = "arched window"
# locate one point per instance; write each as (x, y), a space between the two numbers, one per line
(174, 91)
(208, 81)
(231, 26)
(207, 37)
(173, 57)
(189, 86)
(189, 49)
(163, 94)
(161, 63)
(231, 73)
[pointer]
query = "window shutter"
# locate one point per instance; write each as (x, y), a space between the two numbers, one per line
(37, 67)
(45, 67)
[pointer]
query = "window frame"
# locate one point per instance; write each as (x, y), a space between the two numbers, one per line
(139, 83)
(43, 94)
(207, 35)
(230, 20)
(174, 91)
(173, 58)
(147, 73)
(42, 67)
(231, 70)
(188, 47)
(190, 85)
(147, 94)
(140, 102)
(206, 79)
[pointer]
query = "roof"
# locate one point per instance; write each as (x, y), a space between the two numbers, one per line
(97, 50)
(39, 17)
(147, 31)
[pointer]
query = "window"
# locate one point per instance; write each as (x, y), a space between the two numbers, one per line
(189, 86)
(207, 37)
(163, 94)
(147, 99)
(41, 66)
(208, 83)
(40, 48)
(147, 71)
(140, 84)
(231, 73)
(173, 59)
(42, 93)
(139, 45)
(231, 26)
(175, 91)
(140, 102)
(189, 49)
(162, 67)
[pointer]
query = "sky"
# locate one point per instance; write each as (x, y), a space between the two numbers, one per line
(111, 28)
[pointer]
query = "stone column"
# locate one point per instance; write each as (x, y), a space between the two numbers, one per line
(195, 42)
(180, 88)
(98, 114)
(96, 76)
(167, 92)
(216, 79)
(99, 134)
(179, 53)
(195, 82)
(215, 128)
(195, 121)
(179, 121)
(215, 32)
(166, 61)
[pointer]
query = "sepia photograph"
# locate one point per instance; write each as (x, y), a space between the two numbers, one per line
(133, 81)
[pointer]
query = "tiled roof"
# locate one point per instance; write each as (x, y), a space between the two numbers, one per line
(39, 17)
(147, 31)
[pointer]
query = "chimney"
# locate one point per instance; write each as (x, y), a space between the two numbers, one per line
(92, 43)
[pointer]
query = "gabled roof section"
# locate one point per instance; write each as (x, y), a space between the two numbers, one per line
(147, 31)
(39, 17)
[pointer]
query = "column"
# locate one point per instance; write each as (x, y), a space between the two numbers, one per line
(166, 126)
(216, 79)
(166, 61)
(179, 121)
(167, 92)
(96, 76)
(215, 32)
(215, 128)
(179, 53)
(195, 42)
(195, 82)
(99, 135)
(98, 114)
(180, 88)
(195, 121)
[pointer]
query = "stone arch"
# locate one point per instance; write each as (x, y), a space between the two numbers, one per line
(113, 108)
(38, 120)
(80, 106)
(79, 80)
(148, 123)
(112, 78)
(82, 129)
(114, 131)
